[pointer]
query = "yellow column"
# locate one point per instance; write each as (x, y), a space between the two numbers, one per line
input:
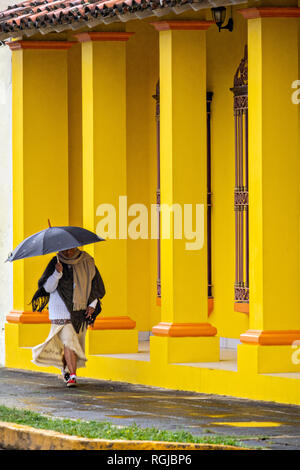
(40, 157)
(184, 334)
(274, 322)
(105, 180)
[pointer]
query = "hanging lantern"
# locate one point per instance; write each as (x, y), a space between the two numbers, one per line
(219, 17)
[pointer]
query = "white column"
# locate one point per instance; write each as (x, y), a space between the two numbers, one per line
(6, 236)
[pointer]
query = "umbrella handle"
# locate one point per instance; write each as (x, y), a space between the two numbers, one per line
(58, 261)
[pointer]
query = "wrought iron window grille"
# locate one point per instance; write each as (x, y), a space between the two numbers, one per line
(241, 191)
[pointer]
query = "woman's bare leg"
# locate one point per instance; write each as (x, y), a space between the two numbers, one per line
(71, 360)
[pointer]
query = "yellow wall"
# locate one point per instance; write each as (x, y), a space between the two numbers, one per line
(33, 130)
(224, 52)
(104, 159)
(274, 173)
(40, 150)
(142, 76)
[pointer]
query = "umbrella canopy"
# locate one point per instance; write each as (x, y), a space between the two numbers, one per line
(51, 240)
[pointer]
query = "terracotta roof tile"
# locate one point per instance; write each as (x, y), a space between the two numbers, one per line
(45, 16)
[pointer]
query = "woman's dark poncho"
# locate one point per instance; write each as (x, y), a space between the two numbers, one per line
(65, 289)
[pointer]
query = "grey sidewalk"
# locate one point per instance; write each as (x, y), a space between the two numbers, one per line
(263, 424)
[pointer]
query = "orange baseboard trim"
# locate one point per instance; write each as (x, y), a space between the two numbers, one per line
(241, 307)
(270, 337)
(113, 323)
(184, 329)
(210, 303)
(17, 316)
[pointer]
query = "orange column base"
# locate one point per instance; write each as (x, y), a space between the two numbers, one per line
(18, 316)
(270, 337)
(184, 329)
(105, 323)
(113, 323)
(241, 307)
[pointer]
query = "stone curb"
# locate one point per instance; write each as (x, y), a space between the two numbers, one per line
(20, 437)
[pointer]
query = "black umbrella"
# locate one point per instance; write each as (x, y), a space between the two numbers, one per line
(53, 239)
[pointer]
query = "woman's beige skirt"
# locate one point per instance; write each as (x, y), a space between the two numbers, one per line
(50, 353)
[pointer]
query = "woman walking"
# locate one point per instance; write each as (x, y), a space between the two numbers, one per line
(73, 286)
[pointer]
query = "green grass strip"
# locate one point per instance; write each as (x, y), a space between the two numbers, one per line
(106, 430)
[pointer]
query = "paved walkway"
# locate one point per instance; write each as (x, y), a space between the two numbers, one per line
(263, 424)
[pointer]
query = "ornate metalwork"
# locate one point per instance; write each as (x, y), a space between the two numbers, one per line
(158, 197)
(241, 294)
(240, 102)
(240, 84)
(158, 288)
(241, 76)
(241, 196)
(240, 199)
